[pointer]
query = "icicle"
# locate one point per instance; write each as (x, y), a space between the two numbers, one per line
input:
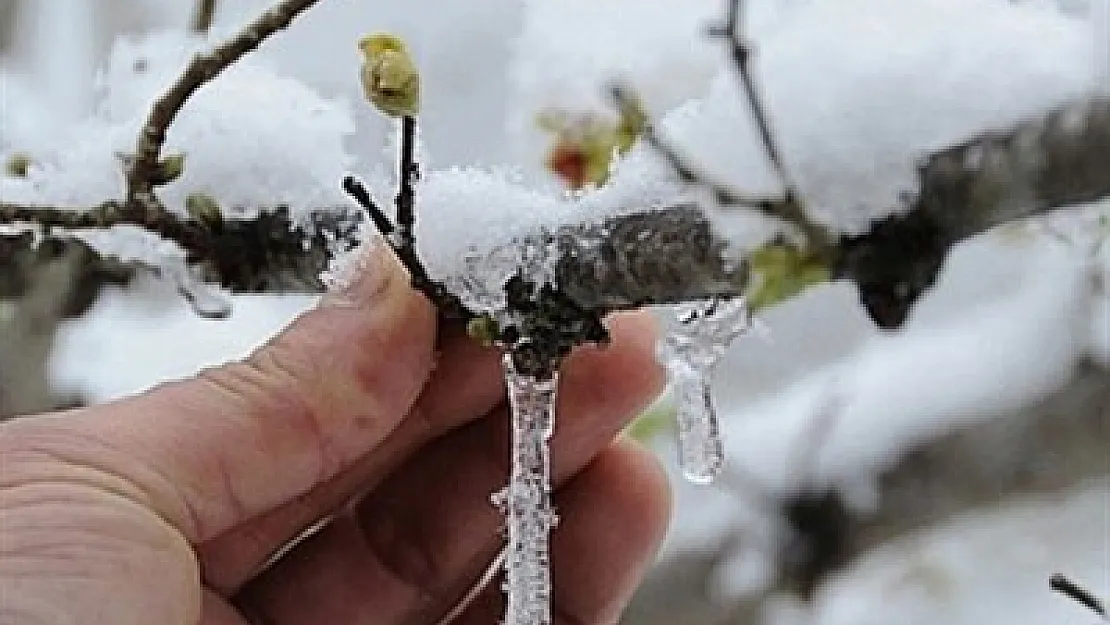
(205, 300)
(527, 500)
(693, 344)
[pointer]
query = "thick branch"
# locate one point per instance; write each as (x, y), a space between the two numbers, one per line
(1045, 164)
(143, 166)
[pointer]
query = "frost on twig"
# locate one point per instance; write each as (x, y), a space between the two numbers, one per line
(1058, 160)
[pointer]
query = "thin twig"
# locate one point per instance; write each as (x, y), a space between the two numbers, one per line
(142, 167)
(732, 31)
(203, 14)
(408, 173)
(1074, 591)
(787, 208)
(358, 191)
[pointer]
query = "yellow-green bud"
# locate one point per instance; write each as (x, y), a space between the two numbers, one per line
(169, 169)
(781, 272)
(483, 329)
(390, 79)
(204, 208)
(18, 165)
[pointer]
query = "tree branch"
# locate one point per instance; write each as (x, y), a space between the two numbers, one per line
(269, 253)
(203, 14)
(142, 168)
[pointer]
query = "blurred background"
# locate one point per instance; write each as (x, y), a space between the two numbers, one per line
(937, 474)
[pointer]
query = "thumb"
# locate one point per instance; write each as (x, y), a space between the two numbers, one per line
(211, 452)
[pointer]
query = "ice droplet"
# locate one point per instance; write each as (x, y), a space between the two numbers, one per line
(694, 341)
(527, 500)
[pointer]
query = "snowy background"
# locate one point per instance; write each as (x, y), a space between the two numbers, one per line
(857, 91)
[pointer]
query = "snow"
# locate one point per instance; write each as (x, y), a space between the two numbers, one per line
(857, 91)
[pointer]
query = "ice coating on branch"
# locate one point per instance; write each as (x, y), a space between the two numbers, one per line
(526, 502)
(695, 340)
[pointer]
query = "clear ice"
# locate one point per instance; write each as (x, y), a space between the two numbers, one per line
(205, 300)
(526, 501)
(694, 341)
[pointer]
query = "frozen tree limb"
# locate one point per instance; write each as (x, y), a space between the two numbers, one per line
(1059, 160)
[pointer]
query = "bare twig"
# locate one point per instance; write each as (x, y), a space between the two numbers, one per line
(731, 30)
(399, 232)
(1077, 593)
(203, 14)
(142, 167)
(787, 208)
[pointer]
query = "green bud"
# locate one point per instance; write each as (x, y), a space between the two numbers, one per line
(782, 272)
(169, 169)
(483, 329)
(204, 208)
(390, 78)
(18, 165)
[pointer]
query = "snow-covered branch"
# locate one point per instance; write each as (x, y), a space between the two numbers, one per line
(672, 254)
(143, 165)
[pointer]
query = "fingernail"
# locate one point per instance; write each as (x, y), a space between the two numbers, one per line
(362, 277)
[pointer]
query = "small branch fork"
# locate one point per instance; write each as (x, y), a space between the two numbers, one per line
(1036, 166)
(549, 322)
(400, 233)
(788, 208)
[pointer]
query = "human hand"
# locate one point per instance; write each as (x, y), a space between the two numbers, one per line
(167, 507)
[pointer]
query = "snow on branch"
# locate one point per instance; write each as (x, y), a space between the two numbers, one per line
(143, 166)
(654, 254)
